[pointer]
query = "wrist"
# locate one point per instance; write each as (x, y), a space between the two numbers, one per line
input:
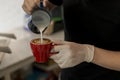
(89, 55)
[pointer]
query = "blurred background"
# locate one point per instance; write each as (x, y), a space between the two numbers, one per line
(16, 59)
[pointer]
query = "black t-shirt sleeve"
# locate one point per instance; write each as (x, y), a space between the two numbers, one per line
(56, 2)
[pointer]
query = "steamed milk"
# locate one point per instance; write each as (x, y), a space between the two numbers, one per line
(42, 24)
(41, 29)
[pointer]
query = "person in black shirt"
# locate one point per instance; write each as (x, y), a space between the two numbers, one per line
(91, 50)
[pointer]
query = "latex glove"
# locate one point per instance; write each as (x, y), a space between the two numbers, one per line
(71, 54)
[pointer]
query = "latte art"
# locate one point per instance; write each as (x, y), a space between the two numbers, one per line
(38, 41)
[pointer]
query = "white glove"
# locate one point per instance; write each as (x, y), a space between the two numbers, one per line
(71, 54)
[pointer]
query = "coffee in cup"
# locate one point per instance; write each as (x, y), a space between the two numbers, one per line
(41, 51)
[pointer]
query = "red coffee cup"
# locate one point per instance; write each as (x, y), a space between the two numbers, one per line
(42, 51)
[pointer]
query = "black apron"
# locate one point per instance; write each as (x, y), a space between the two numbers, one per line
(95, 22)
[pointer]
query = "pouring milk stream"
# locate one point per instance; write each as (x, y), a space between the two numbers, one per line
(41, 19)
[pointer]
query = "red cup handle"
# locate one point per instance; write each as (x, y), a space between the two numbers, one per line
(52, 53)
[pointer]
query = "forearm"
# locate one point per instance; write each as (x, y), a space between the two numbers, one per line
(107, 59)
